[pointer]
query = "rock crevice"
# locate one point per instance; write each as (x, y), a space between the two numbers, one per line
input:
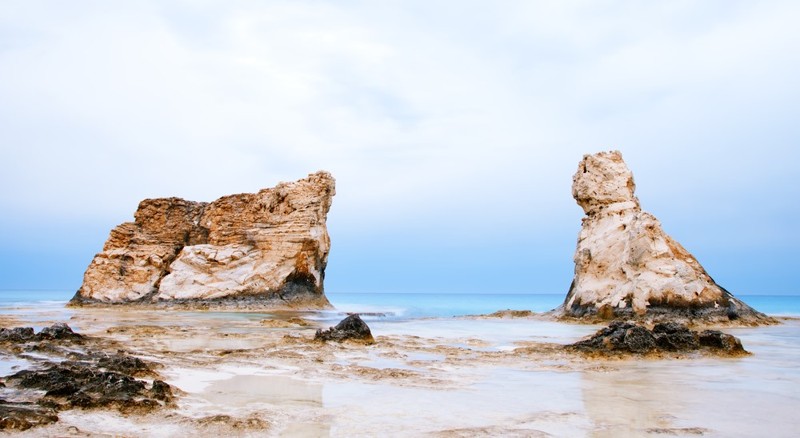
(268, 248)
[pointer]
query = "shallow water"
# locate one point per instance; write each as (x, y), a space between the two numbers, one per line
(445, 376)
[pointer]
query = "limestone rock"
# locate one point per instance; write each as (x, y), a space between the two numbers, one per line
(262, 249)
(627, 266)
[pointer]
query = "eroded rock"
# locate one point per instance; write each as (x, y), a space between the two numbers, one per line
(627, 267)
(268, 248)
(69, 371)
(630, 338)
(23, 416)
(350, 328)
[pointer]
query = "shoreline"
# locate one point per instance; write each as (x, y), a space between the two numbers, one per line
(234, 374)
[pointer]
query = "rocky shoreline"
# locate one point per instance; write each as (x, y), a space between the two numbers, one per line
(72, 371)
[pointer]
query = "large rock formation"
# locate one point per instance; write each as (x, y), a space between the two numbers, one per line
(627, 267)
(265, 249)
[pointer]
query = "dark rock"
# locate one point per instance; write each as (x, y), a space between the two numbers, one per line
(125, 364)
(17, 334)
(672, 336)
(350, 328)
(82, 384)
(161, 391)
(58, 331)
(23, 416)
(620, 336)
(721, 341)
(625, 337)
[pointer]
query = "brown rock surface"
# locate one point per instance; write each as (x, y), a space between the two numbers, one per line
(626, 266)
(268, 248)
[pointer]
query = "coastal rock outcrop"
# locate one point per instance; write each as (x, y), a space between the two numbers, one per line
(351, 328)
(629, 338)
(626, 266)
(254, 249)
(68, 370)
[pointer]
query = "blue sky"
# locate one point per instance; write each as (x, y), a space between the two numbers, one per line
(453, 129)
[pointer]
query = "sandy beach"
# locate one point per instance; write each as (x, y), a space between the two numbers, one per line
(246, 374)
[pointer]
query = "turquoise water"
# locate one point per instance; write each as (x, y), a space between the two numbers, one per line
(412, 305)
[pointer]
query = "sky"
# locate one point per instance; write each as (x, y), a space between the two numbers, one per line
(452, 128)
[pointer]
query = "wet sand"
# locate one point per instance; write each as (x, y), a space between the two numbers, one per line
(261, 375)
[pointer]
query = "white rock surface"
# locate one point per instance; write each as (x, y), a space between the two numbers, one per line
(626, 265)
(269, 248)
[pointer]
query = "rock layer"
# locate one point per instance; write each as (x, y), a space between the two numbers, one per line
(627, 266)
(268, 248)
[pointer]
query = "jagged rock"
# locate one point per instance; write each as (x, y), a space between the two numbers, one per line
(21, 335)
(125, 364)
(350, 328)
(672, 336)
(23, 416)
(268, 248)
(58, 330)
(630, 338)
(626, 266)
(722, 341)
(77, 384)
(17, 334)
(69, 371)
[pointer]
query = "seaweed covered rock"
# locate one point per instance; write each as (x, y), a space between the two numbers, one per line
(70, 370)
(350, 328)
(629, 338)
(23, 416)
(80, 384)
(264, 249)
(627, 267)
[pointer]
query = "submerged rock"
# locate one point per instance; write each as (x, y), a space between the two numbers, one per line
(268, 248)
(627, 337)
(626, 266)
(350, 328)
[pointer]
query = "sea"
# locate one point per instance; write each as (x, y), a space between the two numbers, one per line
(409, 306)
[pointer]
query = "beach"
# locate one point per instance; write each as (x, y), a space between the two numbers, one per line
(256, 374)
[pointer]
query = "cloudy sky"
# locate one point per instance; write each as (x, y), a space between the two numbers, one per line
(453, 129)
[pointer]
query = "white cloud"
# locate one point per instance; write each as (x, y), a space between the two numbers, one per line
(466, 114)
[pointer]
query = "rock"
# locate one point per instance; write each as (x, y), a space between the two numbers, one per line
(58, 330)
(123, 363)
(629, 338)
(68, 370)
(350, 328)
(264, 249)
(627, 267)
(76, 384)
(17, 334)
(672, 336)
(722, 341)
(620, 336)
(23, 416)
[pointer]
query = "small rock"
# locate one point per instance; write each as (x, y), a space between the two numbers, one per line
(23, 416)
(17, 334)
(350, 328)
(721, 341)
(58, 330)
